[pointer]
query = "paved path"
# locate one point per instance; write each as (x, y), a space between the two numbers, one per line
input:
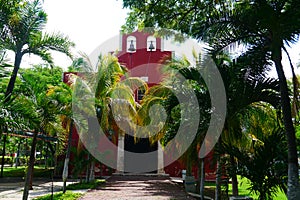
(138, 188)
(12, 188)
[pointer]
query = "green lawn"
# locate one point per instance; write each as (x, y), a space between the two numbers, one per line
(20, 172)
(91, 185)
(69, 195)
(244, 184)
(60, 196)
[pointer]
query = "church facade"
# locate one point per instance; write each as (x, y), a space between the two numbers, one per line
(142, 54)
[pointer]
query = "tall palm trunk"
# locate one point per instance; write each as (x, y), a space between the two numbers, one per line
(12, 80)
(218, 180)
(67, 159)
(87, 174)
(18, 155)
(293, 176)
(235, 190)
(3, 154)
(188, 167)
(92, 171)
(29, 175)
(56, 171)
(202, 177)
(218, 174)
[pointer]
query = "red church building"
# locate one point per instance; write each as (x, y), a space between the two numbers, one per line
(142, 54)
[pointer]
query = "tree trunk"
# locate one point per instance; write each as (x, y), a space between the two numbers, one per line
(293, 176)
(52, 153)
(56, 171)
(3, 154)
(218, 174)
(199, 175)
(18, 155)
(12, 80)
(235, 189)
(100, 168)
(46, 153)
(92, 171)
(29, 175)
(218, 180)
(202, 179)
(67, 159)
(87, 174)
(188, 167)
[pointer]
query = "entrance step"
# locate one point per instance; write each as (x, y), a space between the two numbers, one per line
(141, 174)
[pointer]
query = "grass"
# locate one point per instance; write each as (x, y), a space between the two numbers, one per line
(60, 196)
(91, 185)
(69, 195)
(20, 172)
(244, 184)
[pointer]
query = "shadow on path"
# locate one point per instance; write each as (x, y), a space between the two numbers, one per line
(138, 188)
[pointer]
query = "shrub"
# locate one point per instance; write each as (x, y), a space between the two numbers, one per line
(265, 165)
(8, 160)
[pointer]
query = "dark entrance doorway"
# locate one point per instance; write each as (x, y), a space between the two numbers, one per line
(145, 157)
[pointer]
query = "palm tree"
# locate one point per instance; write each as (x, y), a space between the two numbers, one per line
(263, 161)
(244, 87)
(114, 97)
(264, 25)
(61, 96)
(242, 90)
(104, 79)
(163, 94)
(4, 66)
(22, 26)
(43, 118)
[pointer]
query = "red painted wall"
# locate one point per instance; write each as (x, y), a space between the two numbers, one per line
(140, 64)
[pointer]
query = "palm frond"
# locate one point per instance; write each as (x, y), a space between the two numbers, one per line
(43, 42)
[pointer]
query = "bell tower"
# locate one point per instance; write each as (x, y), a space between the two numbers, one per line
(143, 54)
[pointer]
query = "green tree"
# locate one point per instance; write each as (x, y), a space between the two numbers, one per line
(61, 95)
(43, 118)
(114, 97)
(163, 94)
(244, 88)
(104, 79)
(264, 25)
(22, 24)
(269, 156)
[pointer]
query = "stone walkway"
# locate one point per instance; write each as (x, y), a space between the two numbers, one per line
(12, 188)
(138, 188)
(117, 188)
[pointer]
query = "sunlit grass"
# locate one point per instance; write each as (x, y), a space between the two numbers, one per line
(91, 185)
(60, 196)
(20, 172)
(244, 190)
(244, 185)
(69, 195)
